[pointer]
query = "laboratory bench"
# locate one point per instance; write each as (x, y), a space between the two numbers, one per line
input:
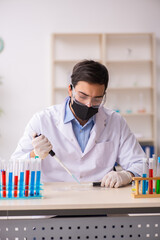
(80, 211)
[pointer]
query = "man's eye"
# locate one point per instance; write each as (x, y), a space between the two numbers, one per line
(97, 100)
(82, 97)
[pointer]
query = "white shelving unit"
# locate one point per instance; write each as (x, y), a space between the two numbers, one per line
(130, 59)
(0, 106)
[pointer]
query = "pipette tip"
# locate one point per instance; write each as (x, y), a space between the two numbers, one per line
(76, 179)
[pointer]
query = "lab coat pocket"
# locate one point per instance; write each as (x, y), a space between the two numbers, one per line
(105, 154)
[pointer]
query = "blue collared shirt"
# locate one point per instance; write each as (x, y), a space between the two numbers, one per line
(82, 133)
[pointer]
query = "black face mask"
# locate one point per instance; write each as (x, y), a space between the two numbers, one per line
(83, 112)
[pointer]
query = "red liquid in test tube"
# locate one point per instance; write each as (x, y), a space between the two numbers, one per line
(4, 183)
(16, 170)
(150, 175)
(27, 183)
(15, 185)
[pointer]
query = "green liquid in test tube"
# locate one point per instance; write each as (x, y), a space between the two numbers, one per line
(158, 175)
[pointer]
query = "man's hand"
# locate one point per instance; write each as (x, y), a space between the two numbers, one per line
(116, 179)
(41, 146)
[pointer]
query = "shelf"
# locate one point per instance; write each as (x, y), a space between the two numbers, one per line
(107, 62)
(115, 88)
(130, 60)
(145, 140)
(137, 114)
(61, 61)
(60, 89)
(129, 88)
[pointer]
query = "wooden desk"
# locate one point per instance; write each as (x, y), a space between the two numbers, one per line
(82, 212)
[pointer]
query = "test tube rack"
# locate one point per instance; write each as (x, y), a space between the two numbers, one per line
(20, 192)
(137, 191)
(20, 179)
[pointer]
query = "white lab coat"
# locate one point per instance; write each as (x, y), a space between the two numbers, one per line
(110, 141)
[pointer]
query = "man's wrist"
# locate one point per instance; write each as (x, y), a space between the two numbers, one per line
(131, 173)
(32, 154)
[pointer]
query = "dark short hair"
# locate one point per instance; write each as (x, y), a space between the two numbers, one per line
(90, 71)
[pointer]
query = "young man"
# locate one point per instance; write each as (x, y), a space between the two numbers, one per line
(88, 138)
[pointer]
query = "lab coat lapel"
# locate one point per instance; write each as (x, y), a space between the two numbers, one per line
(96, 131)
(66, 129)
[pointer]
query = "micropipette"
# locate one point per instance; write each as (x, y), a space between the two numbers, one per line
(53, 154)
(62, 165)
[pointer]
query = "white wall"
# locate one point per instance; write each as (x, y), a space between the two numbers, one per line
(26, 26)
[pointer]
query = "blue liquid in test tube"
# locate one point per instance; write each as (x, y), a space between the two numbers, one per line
(21, 181)
(154, 171)
(32, 177)
(38, 176)
(38, 183)
(10, 182)
(144, 175)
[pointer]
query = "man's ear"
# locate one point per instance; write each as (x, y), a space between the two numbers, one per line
(70, 90)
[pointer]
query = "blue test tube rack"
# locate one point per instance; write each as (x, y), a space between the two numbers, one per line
(28, 174)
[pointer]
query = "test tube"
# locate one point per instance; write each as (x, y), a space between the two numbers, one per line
(27, 173)
(147, 151)
(21, 181)
(4, 178)
(0, 179)
(38, 175)
(150, 175)
(141, 108)
(158, 175)
(16, 171)
(144, 175)
(154, 171)
(128, 102)
(10, 178)
(32, 168)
